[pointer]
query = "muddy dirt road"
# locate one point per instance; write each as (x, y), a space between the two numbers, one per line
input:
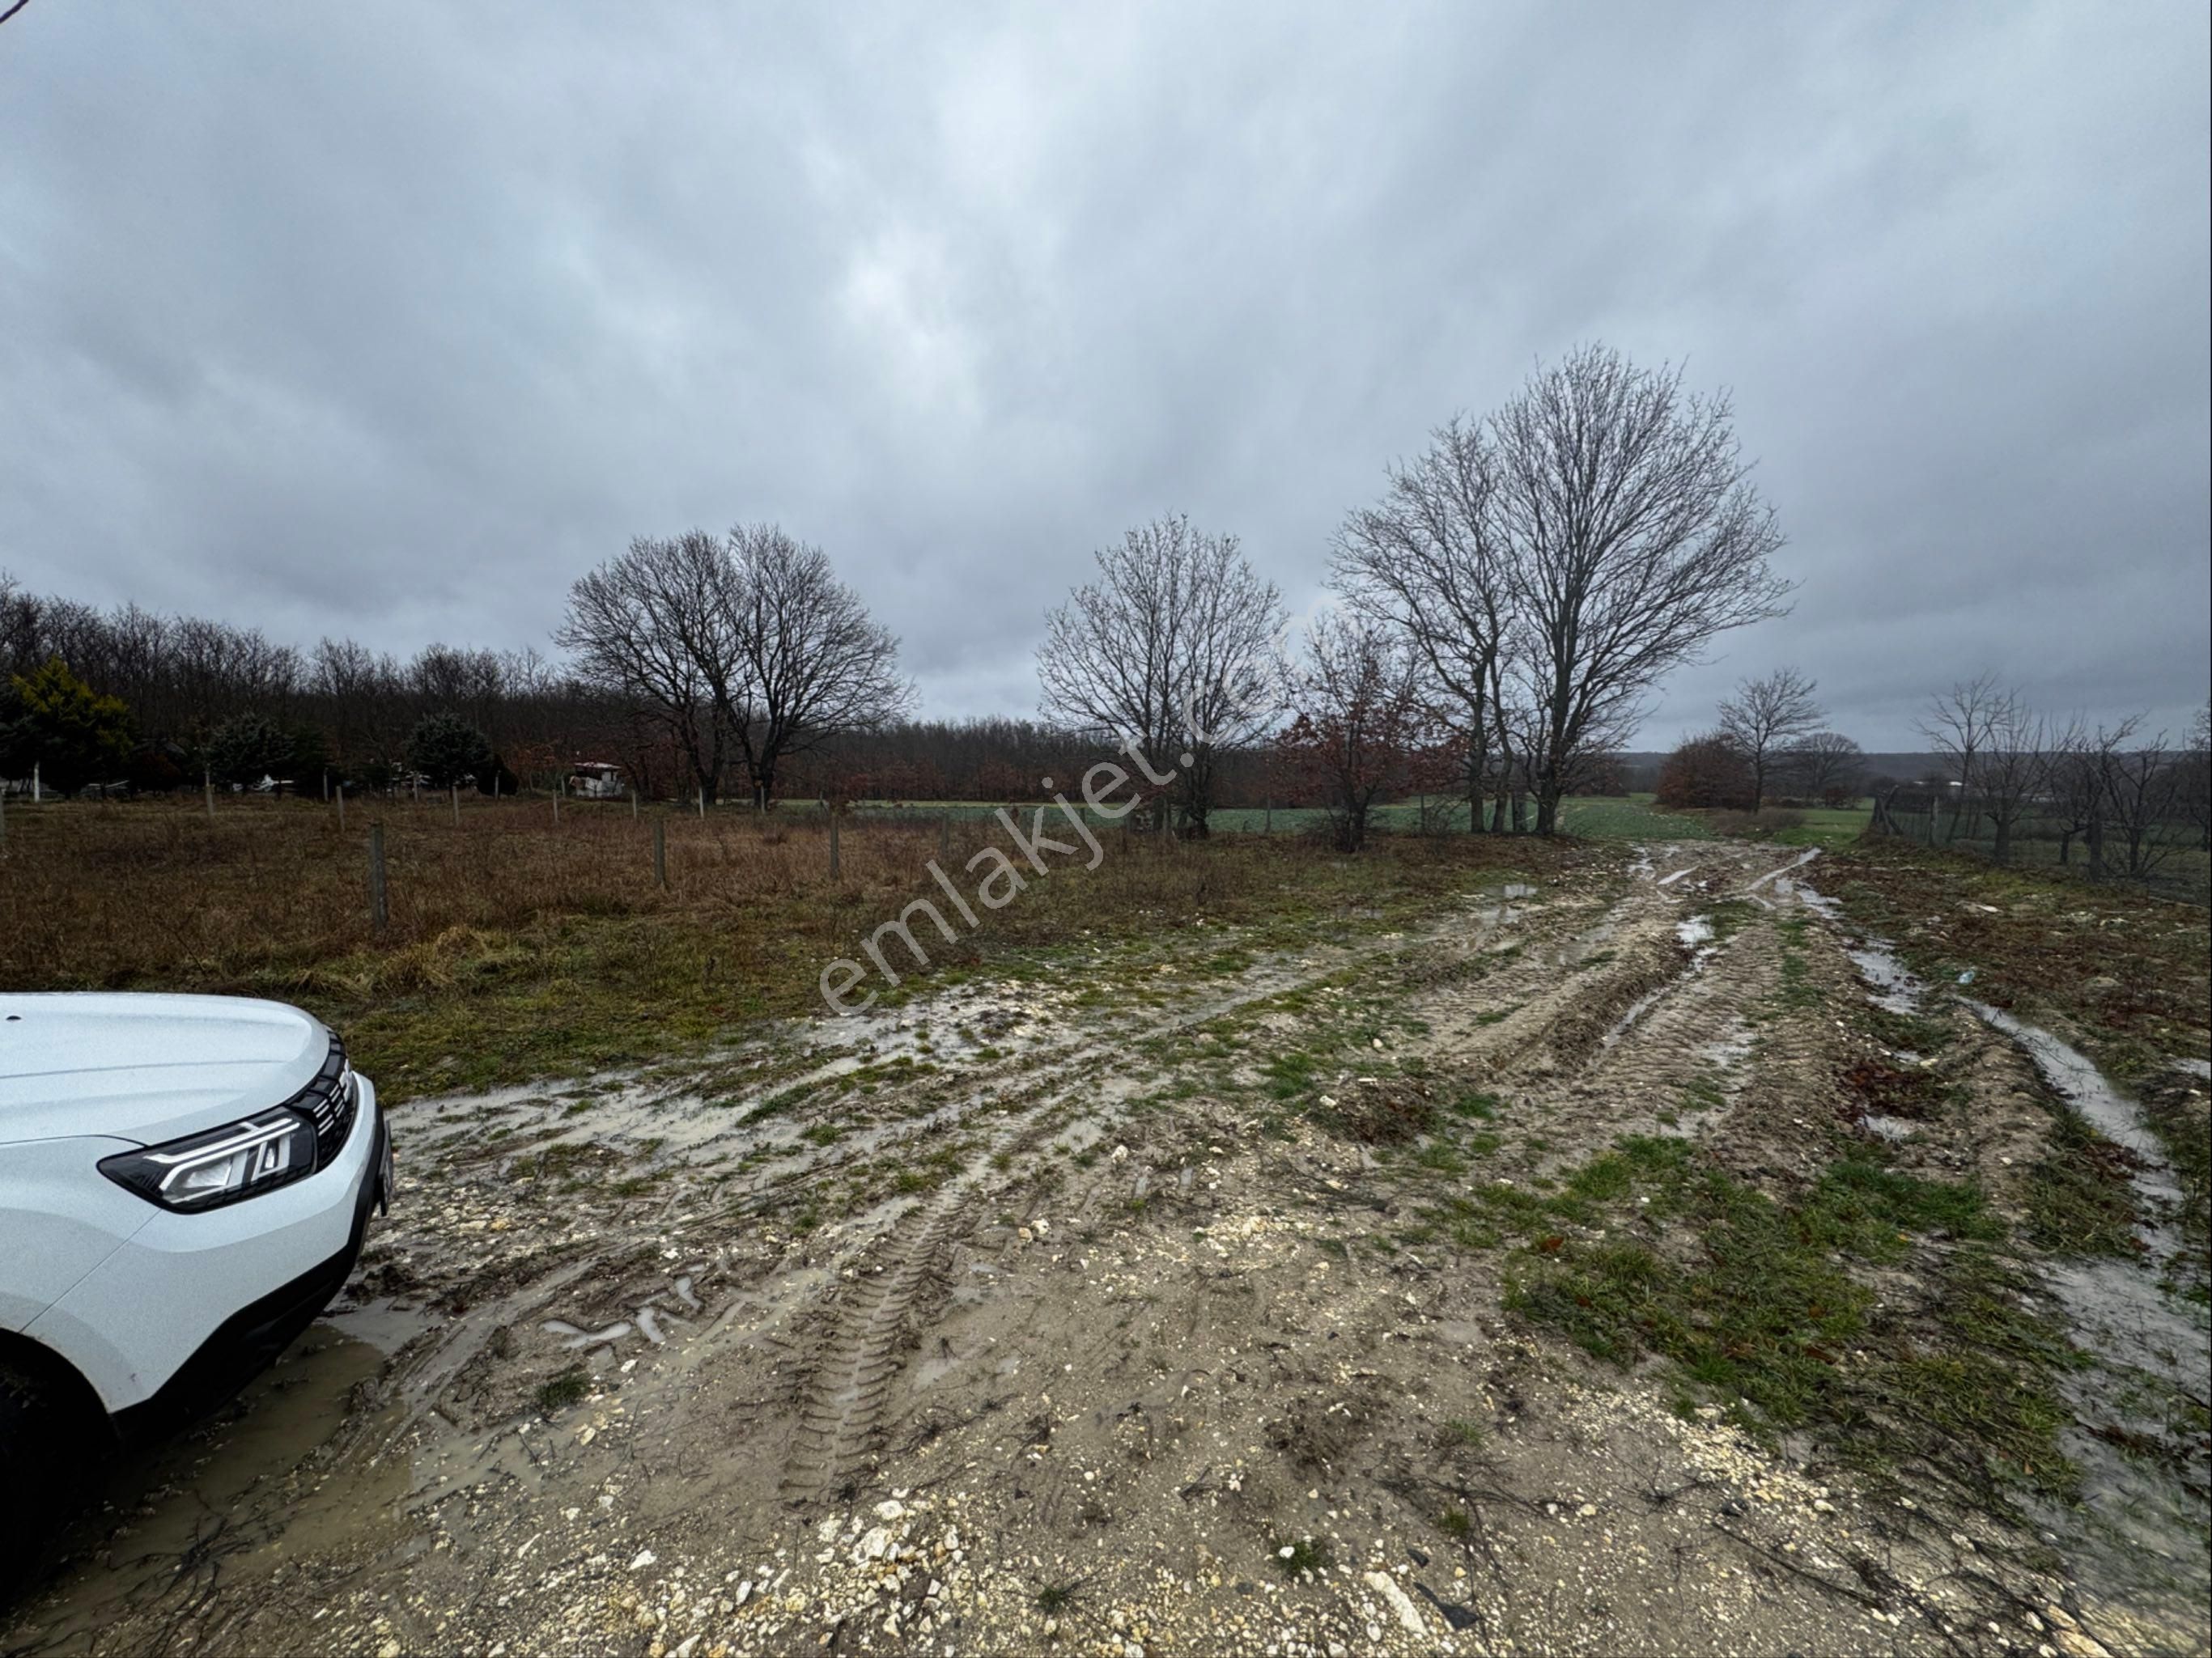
(1399, 1296)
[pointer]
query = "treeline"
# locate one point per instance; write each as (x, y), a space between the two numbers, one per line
(130, 698)
(134, 698)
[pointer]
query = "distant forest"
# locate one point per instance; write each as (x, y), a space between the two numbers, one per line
(159, 702)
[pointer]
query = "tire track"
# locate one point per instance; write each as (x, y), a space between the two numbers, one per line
(843, 1405)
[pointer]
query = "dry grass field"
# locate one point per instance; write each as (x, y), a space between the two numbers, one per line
(518, 947)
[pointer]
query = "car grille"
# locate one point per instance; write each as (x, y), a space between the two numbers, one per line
(331, 1099)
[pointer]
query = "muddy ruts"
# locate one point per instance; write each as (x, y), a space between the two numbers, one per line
(843, 1408)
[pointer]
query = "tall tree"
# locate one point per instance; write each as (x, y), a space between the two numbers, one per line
(2013, 771)
(1960, 724)
(1173, 648)
(1824, 764)
(447, 750)
(816, 666)
(248, 747)
(52, 722)
(1764, 717)
(1635, 537)
(657, 629)
(1427, 561)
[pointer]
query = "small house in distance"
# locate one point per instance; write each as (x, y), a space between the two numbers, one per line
(596, 780)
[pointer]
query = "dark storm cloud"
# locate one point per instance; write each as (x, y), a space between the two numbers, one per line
(390, 320)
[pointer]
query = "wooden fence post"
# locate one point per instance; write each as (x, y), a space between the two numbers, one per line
(454, 789)
(944, 834)
(633, 806)
(380, 909)
(341, 809)
(207, 778)
(833, 843)
(660, 852)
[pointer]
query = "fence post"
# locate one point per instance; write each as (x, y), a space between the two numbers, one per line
(633, 806)
(341, 809)
(833, 843)
(207, 778)
(660, 852)
(1268, 823)
(702, 799)
(454, 789)
(944, 834)
(3, 820)
(379, 910)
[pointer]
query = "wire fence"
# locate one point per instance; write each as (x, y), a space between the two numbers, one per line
(2169, 858)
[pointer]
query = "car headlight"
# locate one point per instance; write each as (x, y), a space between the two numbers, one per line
(206, 1170)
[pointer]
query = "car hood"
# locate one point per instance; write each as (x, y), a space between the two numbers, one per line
(147, 1068)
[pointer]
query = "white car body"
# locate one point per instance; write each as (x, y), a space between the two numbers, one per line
(158, 1313)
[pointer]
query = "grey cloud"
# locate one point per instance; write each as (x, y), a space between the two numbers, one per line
(389, 321)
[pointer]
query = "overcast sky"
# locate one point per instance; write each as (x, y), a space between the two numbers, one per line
(390, 320)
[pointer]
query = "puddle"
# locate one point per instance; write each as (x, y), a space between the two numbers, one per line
(383, 1323)
(1579, 949)
(1637, 1010)
(2144, 1533)
(239, 1497)
(1798, 862)
(1895, 988)
(1501, 912)
(2076, 1079)
(2136, 1540)
(1696, 934)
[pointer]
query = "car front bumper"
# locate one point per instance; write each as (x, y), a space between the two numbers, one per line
(191, 1306)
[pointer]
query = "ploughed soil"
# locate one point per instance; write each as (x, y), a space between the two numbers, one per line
(1591, 1268)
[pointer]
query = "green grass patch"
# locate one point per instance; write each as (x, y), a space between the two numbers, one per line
(556, 1394)
(1770, 1304)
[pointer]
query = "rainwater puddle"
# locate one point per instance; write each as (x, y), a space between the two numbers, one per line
(239, 1494)
(2136, 1541)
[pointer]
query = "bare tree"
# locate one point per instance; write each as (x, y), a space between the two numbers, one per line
(1959, 724)
(2139, 785)
(1764, 717)
(2193, 779)
(2104, 786)
(1426, 561)
(1822, 764)
(1173, 649)
(1635, 538)
(656, 628)
(817, 664)
(1360, 720)
(2013, 771)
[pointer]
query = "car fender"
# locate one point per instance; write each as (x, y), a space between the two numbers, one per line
(59, 1221)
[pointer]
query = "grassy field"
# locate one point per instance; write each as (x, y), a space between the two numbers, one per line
(1595, 816)
(518, 948)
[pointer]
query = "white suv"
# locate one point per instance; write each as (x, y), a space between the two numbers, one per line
(184, 1185)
